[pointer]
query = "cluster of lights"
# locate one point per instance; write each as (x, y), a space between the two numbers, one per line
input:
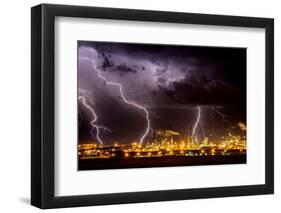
(227, 146)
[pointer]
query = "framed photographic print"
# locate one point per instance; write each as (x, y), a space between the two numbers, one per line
(139, 106)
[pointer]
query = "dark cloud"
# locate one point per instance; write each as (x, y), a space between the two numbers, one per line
(107, 64)
(201, 90)
(125, 68)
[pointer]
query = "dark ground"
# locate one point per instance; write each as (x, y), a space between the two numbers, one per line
(122, 163)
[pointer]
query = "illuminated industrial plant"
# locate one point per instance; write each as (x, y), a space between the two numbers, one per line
(166, 143)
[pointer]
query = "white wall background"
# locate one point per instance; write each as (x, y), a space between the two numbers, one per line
(15, 105)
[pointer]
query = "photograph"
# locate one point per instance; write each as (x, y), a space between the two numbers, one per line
(160, 105)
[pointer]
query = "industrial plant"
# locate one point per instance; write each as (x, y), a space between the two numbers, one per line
(166, 143)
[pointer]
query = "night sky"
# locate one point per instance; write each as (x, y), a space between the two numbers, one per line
(169, 81)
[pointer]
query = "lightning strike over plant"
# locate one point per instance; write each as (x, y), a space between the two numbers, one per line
(197, 120)
(122, 95)
(82, 99)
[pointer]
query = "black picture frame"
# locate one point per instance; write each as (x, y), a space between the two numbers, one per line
(43, 117)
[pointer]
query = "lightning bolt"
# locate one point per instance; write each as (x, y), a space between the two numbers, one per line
(197, 120)
(121, 90)
(94, 120)
(215, 109)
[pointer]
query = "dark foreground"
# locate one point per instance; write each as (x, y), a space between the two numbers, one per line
(165, 161)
